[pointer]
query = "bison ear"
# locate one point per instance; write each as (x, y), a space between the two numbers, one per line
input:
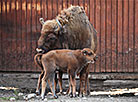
(41, 20)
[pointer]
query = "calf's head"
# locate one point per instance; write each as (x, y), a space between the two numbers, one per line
(89, 55)
(49, 36)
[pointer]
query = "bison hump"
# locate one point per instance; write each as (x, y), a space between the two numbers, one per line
(77, 27)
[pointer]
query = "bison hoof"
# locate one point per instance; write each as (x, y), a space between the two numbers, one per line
(81, 95)
(55, 97)
(70, 95)
(74, 95)
(37, 93)
(43, 98)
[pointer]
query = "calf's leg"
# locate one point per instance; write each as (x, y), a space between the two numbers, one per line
(44, 79)
(51, 84)
(73, 83)
(39, 82)
(60, 81)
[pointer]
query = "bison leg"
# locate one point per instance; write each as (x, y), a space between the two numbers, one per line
(69, 90)
(51, 84)
(39, 82)
(81, 85)
(55, 82)
(44, 79)
(60, 81)
(73, 83)
(87, 86)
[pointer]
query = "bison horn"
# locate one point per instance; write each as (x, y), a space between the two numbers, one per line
(41, 21)
(59, 24)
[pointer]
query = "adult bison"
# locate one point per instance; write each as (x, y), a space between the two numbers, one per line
(71, 29)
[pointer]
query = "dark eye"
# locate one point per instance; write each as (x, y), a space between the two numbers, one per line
(90, 53)
(52, 38)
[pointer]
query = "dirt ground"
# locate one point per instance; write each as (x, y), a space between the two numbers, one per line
(107, 91)
(65, 98)
(15, 87)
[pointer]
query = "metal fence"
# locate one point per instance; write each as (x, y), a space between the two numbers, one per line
(116, 22)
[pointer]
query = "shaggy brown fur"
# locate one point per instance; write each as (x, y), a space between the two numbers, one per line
(75, 32)
(69, 61)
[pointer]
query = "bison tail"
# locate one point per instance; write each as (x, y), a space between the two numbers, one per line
(37, 60)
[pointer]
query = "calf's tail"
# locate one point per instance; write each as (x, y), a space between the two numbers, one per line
(37, 60)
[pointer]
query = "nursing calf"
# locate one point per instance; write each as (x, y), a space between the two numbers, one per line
(70, 61)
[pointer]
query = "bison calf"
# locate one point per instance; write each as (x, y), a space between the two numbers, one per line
(70, 61)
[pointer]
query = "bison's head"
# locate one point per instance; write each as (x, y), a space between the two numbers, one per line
(89, 55)
(49, 36)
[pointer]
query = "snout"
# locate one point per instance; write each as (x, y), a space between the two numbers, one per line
(91, 61)
(42, 49)
(39, 50)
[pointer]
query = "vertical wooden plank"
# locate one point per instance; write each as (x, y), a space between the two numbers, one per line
(125, 41)
(88, 6)
(131, 25)
(105, 35)
(29, 62)
(49, 9)
(81, 3)
(67, 1)
(76, 2)
(18, 35)
(59, 6)
(97, 26)
(42, 7)
(136, 36)
(23, 35)
(30, 40)
(100, 37)
(6, 36)
(54, 8)
(33, 42)
(16, 66)
(84, 4)
(114, 44)
(1, 40)
(92, 11)
(36, 24)
(21, 46)
(63, 4)
(120, 36)
(72, 2)
(108, 37)
(116, 36)
(26, 33)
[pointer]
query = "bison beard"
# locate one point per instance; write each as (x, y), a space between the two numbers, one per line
(71, 29)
